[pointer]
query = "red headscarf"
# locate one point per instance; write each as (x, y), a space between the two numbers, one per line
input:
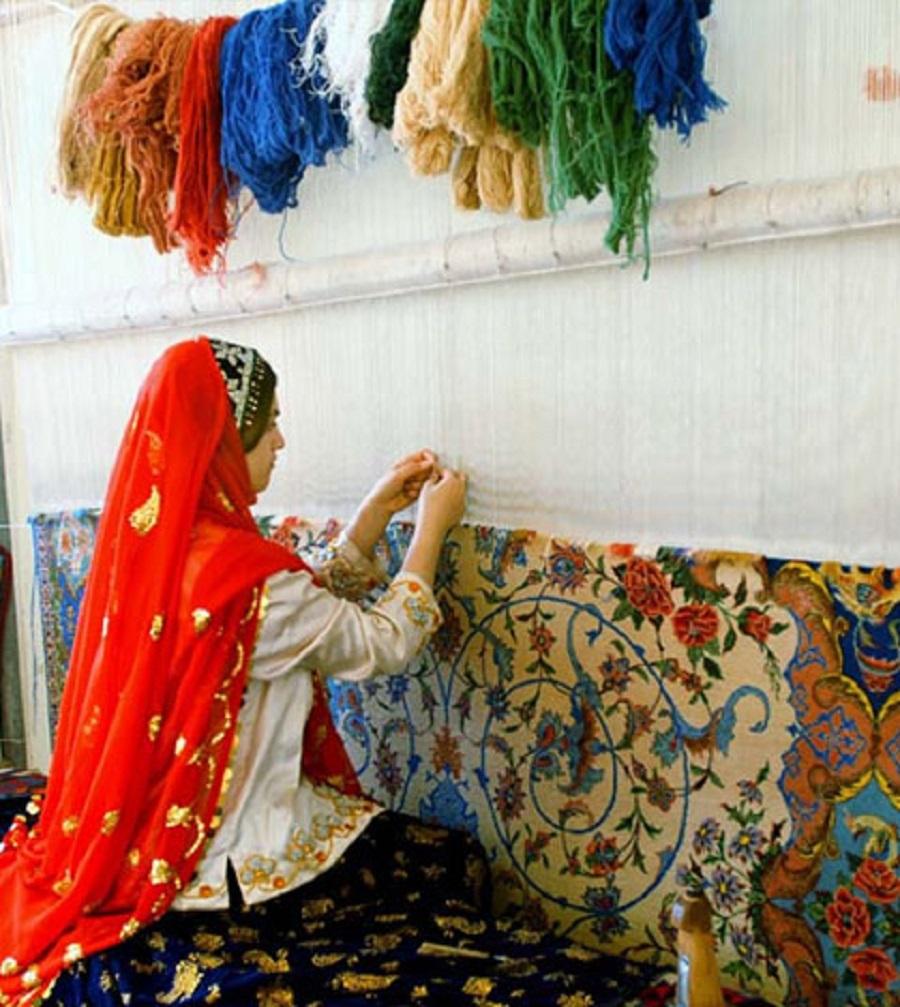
(147, 726)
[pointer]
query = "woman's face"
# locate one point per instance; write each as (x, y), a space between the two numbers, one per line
(261, 459)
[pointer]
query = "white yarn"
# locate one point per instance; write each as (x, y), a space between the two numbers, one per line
(337, 46)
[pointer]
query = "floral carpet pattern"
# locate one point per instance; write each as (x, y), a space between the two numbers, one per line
(615, 723)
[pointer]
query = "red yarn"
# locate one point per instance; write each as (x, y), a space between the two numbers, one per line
(200, 217)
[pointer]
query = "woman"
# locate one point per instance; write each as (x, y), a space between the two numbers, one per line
(165, 791)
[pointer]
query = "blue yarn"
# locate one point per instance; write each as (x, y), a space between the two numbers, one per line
(275, 124)
(661, 43)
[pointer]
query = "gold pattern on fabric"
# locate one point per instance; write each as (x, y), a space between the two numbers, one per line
(156, 626)
(31, 978)
(143, 519)
(110, 821)
(214, 995)
(187, 979)
(180, 742)
(129, 929)
(478, 986)
(323, 961)
(161, 873)
(153, 726)
(72, 954)
(157, 941)
(64, 884)
(205, 941)
(275, 996)
(225, 502)
(134, 857)
(383, 942)
(251, 610)
(577, 999)
(154, 452)
(461, 924)
(201, 617)
(69, 825)
(361, 982)
(314, 908)
(91, 723)
(266, 963)
(8, 966)
(178, 815)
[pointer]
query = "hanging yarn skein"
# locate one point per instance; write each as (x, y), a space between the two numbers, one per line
(446, 101)
(338, 51)
(389, 64)
(200, 216)
(275, 120)
(140, 99)
(662, 45)
(554, 85)
(87, 163)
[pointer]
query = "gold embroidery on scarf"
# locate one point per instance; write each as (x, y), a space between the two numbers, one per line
(161, 873)
(225, 502)
(214, 995)
(8, 966)
(187, 979)
(72, 954)
(143, 519)
(361, 982)
(265, 962)
(134, 857)
(153, 726)
(154, 452)
(69, 825)
(178, 815)
(160, 904)
(251, 611)
(180, 742)
(110, 821)
(92, 721)
(156, 626)
(129, 929)
(201, 835)
(31, 978)
(63, 885)
(201, 619)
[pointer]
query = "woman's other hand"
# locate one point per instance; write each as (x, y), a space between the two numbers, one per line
(443, 500)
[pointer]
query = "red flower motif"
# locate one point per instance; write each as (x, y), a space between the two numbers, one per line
(542, 639)
(696, 625)
(446, 753)
(874, 969)
(848, 919)
(566, 566)
(756, 624)
(877, 880)
(647, 588)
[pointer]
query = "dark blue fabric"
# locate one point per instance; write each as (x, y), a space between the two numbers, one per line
(353, 937)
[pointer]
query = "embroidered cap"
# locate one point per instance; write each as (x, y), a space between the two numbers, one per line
(245, 373)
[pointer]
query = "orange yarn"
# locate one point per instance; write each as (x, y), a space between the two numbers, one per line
(200, 217)
(141, 100)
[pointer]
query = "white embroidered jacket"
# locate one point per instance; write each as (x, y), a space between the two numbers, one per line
(277, 829)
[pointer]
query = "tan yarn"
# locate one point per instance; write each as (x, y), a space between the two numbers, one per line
(93, 165)
(446, 102)
(140, 100)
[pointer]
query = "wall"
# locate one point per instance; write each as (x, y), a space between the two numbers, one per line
(739, 398)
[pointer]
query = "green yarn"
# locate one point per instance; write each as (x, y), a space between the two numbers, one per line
(390, 59)
(554, 86)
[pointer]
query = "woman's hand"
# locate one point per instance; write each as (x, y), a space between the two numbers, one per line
(442, 504)
(399, 487)
(443, 500)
